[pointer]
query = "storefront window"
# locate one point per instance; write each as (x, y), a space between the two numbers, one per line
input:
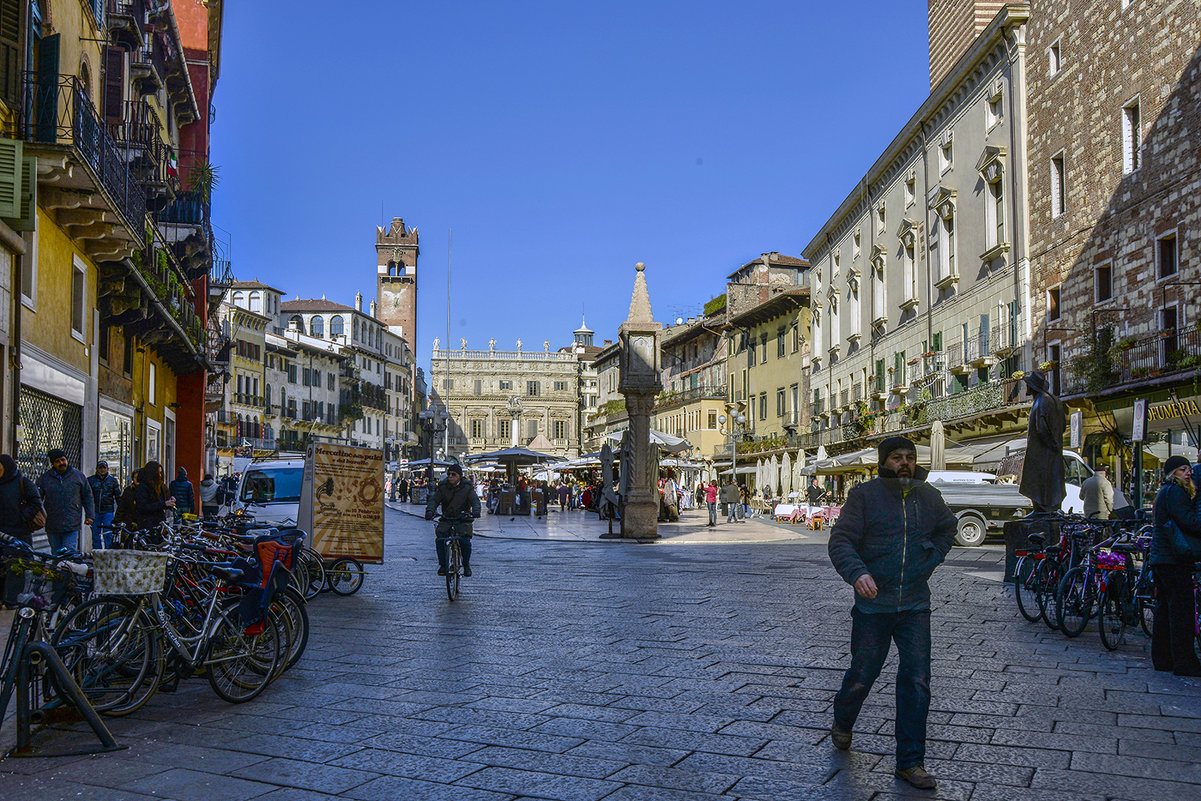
(116, 444)
(154, 440)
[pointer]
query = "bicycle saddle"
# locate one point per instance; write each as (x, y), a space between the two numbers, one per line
(1125, 547)
(226, 572)
(1038, 540)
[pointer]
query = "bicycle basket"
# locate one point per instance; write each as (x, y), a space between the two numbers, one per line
(35, 585)
(128, 572)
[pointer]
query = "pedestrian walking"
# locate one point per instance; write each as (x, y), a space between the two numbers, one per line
(21, 511)
(893, 532)
(729, 496)
(106, 491)
(711, 501)
(184, 494)
(744, 502)
(1097, 494)
(403, 491)
(208, 497)
(152, 501)
(1174, 546)
(564, 493)
(66, 496)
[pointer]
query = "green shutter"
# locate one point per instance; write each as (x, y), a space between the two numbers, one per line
(938, 341)
(10, 178)
(27, 219)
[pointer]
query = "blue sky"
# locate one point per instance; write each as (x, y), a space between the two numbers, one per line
(561, 141)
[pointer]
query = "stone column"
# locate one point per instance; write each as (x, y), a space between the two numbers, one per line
(514, 424)
(639, 381)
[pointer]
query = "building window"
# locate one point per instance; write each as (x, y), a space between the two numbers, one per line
(910, 188)
(560, 386)
(78, 300)
(780, 344)
(337, 327)
(763, 349)
(1055, 58)
(946, 249)
(853, 310)
(1059, 189)
(1167, 255)
(712, 420)
(478, 387)
(781, 402)
(504, 429)
(317, 326)
(993, 110)
(946, 153)
(477, 429)
(994, 212)
(560, 429)
(448, 383)
(151, 383)
(1053, 303)
(29, 269)
(1132, 137)
(532, 389)
(796, 337)
(256, 302)
(296, 322)
(1103, 282)
(909, 270)
(878, 291)
(762, 405)
(750, 351)
(506, 384)
(835, 331)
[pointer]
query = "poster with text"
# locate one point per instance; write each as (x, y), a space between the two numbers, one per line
(347, 497)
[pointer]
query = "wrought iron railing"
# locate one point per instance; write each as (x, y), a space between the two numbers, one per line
(129, 8)
(151, 160)
(669, 398)
(1168, 351)
(56, 111)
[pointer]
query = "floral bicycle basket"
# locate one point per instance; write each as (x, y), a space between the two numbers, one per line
(118, 572)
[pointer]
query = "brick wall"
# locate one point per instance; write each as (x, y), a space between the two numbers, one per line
(954, 25)
(1109, 57)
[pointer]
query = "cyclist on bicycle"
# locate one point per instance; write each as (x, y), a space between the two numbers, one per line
(460, 505)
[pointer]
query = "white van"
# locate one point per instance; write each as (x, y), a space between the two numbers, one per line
(270, 491)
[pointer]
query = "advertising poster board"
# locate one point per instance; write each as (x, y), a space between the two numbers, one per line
(342, 501)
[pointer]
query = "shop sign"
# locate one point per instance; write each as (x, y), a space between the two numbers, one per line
(1140, 420)
(1173, 410)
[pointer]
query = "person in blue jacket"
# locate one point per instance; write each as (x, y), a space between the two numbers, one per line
(892, 533)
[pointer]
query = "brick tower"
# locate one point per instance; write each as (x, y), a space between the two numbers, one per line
(954, 25)
(396, 254)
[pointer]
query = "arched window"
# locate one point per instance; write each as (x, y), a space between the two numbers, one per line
(336, 328)
(267, 396)
(296, 322)
(355, 325)
(240, 299)
(256, 301)
(317, 325)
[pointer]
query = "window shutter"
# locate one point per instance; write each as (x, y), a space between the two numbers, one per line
(27, 218)
(46, 102)
(11, 168)
(114, 86)
(10, 52)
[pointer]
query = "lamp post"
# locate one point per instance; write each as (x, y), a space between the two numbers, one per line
(731, 427)
(433, 422)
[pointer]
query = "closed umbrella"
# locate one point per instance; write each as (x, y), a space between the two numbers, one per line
(773, 475)
(938, 446)
(786, 475)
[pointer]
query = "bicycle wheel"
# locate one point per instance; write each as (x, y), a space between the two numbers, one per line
(241, 665)
(1111, 620)
(308, 573)
(1146, 612)
(454, 569)
(111, 652)
(1075, 601)
(1024, 589)
(1045, 582)
(293, 603)
(345, 576)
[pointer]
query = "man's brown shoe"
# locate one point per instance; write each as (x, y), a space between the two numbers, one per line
(918, 777)
(840, 738)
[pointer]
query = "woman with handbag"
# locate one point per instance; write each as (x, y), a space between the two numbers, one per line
(1174, 548)
(21, 511)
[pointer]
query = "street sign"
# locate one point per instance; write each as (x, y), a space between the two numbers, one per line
(1077, 426)
(1140, 420)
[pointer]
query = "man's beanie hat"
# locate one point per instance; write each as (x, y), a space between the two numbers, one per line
(55, 453)
(455, 468)
(895, 443)
(1174, 462)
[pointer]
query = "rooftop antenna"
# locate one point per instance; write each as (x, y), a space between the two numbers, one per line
(446, 431)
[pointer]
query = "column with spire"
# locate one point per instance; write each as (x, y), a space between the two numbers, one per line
(639, 382)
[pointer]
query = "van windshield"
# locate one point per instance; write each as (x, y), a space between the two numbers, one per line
(272, 485)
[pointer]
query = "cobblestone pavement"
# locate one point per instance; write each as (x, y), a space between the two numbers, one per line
(608, 670)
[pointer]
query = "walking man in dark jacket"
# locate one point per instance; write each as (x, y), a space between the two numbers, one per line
(21, 511)
(892, 532)
(457, 497)
(183, 492)
(106, 491)
(67, 496)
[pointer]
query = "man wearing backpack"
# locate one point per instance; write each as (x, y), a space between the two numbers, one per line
(21, 511)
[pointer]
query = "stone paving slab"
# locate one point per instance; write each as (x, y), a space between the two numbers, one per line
(572, 669)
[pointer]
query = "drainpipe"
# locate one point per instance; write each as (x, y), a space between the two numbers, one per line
(16, 243)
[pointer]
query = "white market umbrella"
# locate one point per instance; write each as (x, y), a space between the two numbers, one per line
(773, 474)
(786, 474)
(666, 442)
(760, 475)
(938, 446)
(798, 478)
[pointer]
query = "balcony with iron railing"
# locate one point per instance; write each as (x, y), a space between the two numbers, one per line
(247, 399)
(148, 65)
(670, 399)
(127, 22)
(151, 160)
(56, 117)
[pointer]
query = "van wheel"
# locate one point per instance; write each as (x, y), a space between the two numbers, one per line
(971, 531)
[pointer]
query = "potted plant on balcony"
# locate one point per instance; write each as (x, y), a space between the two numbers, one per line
(1050, 364)
(1126, 343)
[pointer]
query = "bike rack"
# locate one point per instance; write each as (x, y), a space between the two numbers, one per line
(32, 658)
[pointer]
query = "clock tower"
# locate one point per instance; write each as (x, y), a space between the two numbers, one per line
(396, 254)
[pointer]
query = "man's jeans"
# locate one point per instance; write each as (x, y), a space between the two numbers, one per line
(871, 637)
(733, 513)
(69, 539)
(441, 531)
(102, 532)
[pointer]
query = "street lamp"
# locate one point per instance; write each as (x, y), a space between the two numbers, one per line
(433, 421)
(731, 427)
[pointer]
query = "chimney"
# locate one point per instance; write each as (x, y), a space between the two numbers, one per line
(358, 301)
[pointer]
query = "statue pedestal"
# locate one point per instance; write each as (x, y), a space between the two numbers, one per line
(641, 518)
